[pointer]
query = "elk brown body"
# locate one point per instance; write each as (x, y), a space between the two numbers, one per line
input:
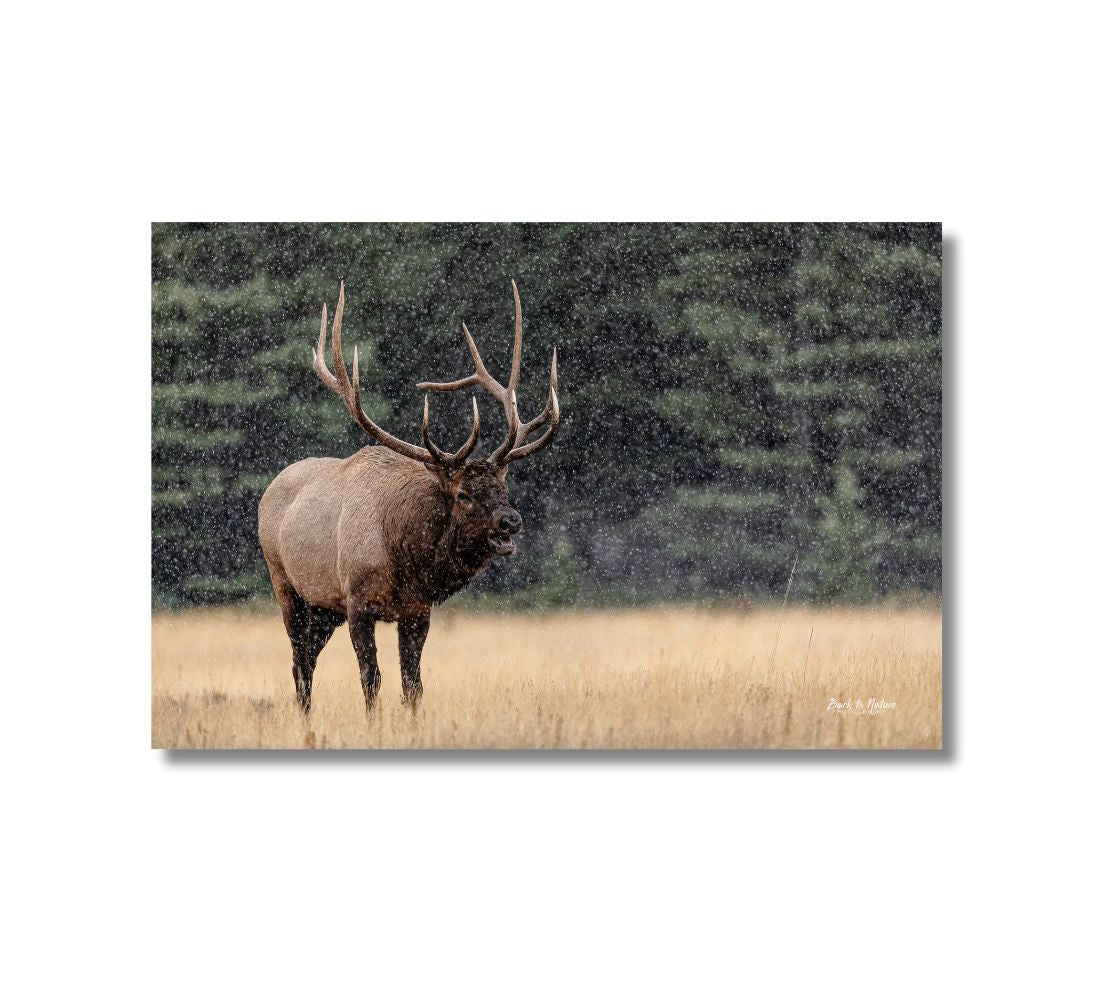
(394, 529)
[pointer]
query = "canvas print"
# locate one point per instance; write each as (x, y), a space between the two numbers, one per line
(654, 486)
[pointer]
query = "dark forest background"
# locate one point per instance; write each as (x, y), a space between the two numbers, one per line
(734, 396)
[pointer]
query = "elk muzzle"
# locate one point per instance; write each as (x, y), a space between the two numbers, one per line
(505, 523)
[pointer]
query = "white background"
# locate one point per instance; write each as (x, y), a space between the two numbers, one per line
(987, 870)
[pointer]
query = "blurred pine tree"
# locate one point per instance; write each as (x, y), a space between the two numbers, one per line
(729, 392)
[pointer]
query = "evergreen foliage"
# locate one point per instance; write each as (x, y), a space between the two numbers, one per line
(733, 396)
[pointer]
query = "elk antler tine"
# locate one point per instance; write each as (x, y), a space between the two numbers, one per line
(551, 415)
(444, 458)
(319, 361)
(468, 446)
(480, 377)
(515, 367)
(336, 340)
(426, 436)
(350, 392)
(516, 430)
(461, 383)
(479, 365)
(542, 418)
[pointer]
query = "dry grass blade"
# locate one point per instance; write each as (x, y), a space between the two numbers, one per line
(785, 601)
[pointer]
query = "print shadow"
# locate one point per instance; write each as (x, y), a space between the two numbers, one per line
(946, 756)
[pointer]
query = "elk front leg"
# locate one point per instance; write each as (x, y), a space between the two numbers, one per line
(362, 619)
(411, 633)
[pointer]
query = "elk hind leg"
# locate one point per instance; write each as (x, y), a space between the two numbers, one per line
(321, 624)
(297, 621)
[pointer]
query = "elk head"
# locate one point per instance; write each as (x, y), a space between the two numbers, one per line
(483, 520)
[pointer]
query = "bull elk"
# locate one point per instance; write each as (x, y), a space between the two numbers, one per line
(393, 530)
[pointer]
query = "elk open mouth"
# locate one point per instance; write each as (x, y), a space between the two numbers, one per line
(502, 545)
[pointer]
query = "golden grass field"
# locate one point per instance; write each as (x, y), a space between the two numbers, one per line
(666, 677)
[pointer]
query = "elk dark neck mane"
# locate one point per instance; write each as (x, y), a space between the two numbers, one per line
(433, 554)
(456, 561)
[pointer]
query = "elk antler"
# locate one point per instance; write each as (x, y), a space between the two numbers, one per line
(512, 448)
(339, 383)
